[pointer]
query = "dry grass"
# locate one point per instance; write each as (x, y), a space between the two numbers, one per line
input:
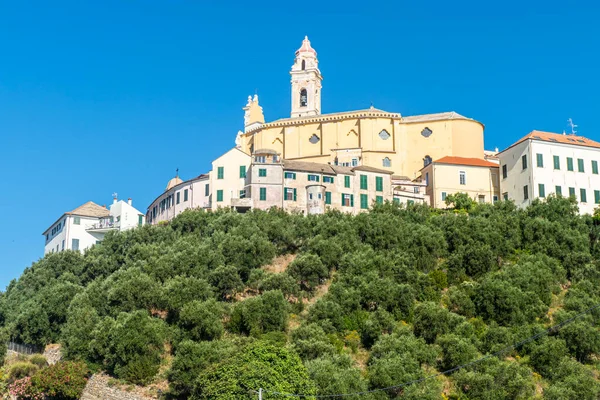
(280, 263)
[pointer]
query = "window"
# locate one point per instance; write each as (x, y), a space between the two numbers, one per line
(354, 162)
(63, 245)
(328, 179)
(525, 192)
(178, 197)
(314, 139)
(583, 195)
(347, 200)
(426, 161)
(47, 237)
(426, 132)
(219, 195)
(524, 161)
(379, 199)
(303, 98)
(262, 172)
(396, 200)
(327, 197)
(571, 191)
(504, 171)
(569, 164)
(384, 135)
(556, 162)
(379, 183)
(597, 196)
(364, 201)
(290, 194)
(76, 220)
(263, 194)
(540, 160)
(410, 202)
(140, 220)
(75, 244)
(346, 181)
(580, 165)
(310, 196)
(206, 190)
(426, 178)
(185, 195)
(290, 175)
(260, 159)
(542, 190)
(417, 190)
(242, 171)
(558, 190)
(363, 182)
(242, 194)
(594, 167)
(220, 172)
(462, 177)
(387, 162)
(495, 197)
(481, 199)
(444, 194)
(303, 65)
(313, 178)
(505, 196)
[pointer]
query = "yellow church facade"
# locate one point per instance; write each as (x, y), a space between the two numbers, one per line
(402, 145)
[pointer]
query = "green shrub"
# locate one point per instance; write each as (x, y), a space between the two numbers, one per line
(62, 381)
(39, 360)
(20, 370)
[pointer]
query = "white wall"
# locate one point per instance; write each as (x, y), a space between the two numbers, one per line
(55, 242)
(196, 189)
(231, 183)
(547, 175)
(125, 216)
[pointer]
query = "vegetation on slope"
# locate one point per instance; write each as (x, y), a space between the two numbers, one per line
(367, 302)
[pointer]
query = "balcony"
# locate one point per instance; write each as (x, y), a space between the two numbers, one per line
(244, 202)
(103, 226)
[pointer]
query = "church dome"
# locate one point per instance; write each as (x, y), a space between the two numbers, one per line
(174, 182)
(306, 47)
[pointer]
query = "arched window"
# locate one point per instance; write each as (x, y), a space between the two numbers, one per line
(387, 162)
(303, 65)
(426, 161)
(303, 98)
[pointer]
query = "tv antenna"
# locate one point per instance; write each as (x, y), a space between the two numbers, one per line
(572, 126)
(114, 195)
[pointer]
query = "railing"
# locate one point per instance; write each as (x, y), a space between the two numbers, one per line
(104, 225)
(24, 348)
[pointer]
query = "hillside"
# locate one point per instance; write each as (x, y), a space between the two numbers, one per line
(218, 305)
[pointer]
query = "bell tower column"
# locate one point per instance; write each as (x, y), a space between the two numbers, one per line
(306, 82)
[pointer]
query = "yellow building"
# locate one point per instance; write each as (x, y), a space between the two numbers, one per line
(476, 177)
(371, 137)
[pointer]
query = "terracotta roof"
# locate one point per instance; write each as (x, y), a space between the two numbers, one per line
(90, 209)
(338, 169)
(474, 162)
(556, 138)
(306, 47)
(307, 166)
(436, 117)
(371, 169)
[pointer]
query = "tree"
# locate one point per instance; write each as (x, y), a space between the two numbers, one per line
(226, 281)
(455, 351)
(308, 270)
(460, 201)
(310, 342)
(432, 320)
(202, 320)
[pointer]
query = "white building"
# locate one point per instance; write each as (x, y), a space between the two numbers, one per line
(407, 191)
(86, 225)
(542, 163)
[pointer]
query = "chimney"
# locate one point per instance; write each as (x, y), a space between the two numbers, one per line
(114, 200)
(103, 205)
(129, 201)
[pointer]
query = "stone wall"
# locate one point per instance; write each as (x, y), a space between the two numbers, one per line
(97, 388)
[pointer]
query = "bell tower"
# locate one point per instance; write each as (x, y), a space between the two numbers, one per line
(306, 82)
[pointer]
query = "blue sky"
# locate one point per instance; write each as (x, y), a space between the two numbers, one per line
(113, 96)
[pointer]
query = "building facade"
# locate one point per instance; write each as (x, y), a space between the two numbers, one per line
(370, 137)
(86, 225)
(542, 163)
(449, 175)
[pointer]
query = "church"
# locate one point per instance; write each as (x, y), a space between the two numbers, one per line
(402, 145)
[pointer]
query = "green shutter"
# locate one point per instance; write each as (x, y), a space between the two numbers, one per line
(379, 184)
(540, 160)
(597, 196)
(580, 165)
(263, 194)
(219, 195)
(396, 200)
(363, 182)
(262, 172)
(558, 190)
(364, 201)
(569, 164)
(583, 195)
(220, 172)
(206, 190)
(327, 197)
(571, 191)
(556, 162)
(346, 181)
(294, 194)
(351, 200)
(594, 167)
(242, 171)
(379, 199)
(542, 190)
